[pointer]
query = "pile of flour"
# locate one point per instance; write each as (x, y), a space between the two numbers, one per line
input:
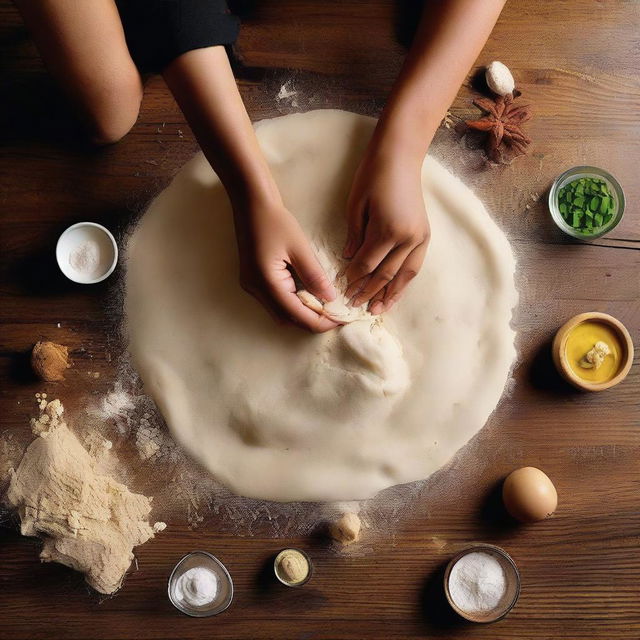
(88, 521)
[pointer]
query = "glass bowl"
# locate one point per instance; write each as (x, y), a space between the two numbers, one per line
(224, 595)
(511, 595)
(586, 172)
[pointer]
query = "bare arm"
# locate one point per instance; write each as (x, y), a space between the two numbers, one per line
(388, 227)
(449, 39)
(83, 45)
(270, 241)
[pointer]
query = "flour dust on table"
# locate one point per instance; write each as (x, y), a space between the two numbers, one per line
(277, 413)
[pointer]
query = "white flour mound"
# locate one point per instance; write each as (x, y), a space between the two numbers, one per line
(278, 413)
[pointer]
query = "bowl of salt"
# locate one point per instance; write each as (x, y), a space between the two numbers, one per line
(200, 585)
(87, 253)
(482, 583)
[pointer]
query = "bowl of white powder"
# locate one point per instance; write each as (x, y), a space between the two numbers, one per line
(482, 583)
(200, 585)
(87, 253)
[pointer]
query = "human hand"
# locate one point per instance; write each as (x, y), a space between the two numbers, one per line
(388, 230)
(271, 243)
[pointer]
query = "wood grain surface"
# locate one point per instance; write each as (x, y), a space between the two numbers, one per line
(577, 63)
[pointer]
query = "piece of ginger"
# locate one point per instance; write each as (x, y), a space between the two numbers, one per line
(594, 358)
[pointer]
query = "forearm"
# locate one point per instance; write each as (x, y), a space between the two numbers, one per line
(204, 87)
(449, 39)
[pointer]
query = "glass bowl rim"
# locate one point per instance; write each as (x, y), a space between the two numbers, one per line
(493, 549)
(201, 614)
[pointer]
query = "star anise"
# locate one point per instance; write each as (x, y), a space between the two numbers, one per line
(503, 122)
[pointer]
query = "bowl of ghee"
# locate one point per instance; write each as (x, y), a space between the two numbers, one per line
(593, 351)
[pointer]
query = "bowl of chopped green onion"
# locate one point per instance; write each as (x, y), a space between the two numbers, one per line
(586, 202)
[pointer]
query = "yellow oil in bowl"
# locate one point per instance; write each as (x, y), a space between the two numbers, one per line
(593, 351)
(584, 339)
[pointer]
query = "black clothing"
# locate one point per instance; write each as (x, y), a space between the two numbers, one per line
(157, 31)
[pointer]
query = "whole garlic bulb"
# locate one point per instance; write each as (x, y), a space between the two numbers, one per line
(499, 78)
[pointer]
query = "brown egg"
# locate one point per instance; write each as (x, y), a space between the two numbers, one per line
(529, 495)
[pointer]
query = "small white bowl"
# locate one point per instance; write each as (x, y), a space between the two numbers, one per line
(101, 252)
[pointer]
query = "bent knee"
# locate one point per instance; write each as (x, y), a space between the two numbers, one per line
(115, 112)
(110, 130)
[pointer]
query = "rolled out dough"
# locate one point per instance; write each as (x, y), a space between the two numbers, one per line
(278, 413)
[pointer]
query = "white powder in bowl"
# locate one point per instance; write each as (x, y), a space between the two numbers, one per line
(477, 582)
(196, 587)
(85, 259)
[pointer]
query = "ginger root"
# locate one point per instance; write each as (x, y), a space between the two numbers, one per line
(49, 361)
(594, 358)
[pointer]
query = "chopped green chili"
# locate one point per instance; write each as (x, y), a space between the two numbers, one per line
(586, 204)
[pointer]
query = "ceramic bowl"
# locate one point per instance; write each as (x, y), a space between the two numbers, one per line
(559, 350)
(105, 247)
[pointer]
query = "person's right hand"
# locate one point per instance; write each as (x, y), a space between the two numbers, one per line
(271, 244)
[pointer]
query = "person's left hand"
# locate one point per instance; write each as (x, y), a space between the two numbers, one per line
(388, 231)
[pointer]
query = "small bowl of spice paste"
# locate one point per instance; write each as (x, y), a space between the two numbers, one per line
(293, 567)
(586, 202)
(482, 583)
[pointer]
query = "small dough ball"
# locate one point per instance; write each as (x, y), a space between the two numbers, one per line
(346, 530)
(499, 78)
(49, 361)
(529, 494)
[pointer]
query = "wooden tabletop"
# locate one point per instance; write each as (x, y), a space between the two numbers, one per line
(577, 63)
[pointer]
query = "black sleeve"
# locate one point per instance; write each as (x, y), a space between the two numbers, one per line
(157, 31)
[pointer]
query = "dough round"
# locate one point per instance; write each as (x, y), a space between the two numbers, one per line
(277, 413)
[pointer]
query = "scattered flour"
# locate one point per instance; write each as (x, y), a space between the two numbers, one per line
(148, 441)
(116, 404)
(10, 453)
(122, 408)
(287, 94)
(96, 445)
